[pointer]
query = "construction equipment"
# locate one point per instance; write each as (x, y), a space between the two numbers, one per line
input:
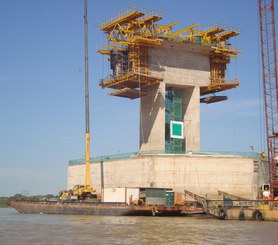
(138, 202)
(212, 207)
(231, 196)
(65, 195)
(269, 65)
(86, 190)
(135, 32)
(234, 200)
(81, 191)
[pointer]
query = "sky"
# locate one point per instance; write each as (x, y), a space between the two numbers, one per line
(42, 105)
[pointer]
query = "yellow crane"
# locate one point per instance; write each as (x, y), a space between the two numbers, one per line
(84, 191)
(88, 190)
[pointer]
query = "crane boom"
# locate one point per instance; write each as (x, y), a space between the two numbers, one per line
(269, 63)
(87, 133)
(83, 191)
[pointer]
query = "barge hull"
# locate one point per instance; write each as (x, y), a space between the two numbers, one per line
(108, 209)
(252, 214)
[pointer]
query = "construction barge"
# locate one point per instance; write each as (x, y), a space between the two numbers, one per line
(114, 202)
(161, 202)
(233, 207)
(105, 209)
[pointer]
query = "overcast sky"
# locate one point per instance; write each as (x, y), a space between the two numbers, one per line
(42, 118)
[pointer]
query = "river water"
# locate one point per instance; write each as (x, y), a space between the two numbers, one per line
(19, 229)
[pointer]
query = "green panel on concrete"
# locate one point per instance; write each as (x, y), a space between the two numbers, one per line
(174, 140)
(176, 130)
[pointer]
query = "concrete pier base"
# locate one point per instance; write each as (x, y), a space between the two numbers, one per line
(199, 173)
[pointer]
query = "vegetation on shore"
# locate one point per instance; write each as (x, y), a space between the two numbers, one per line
(4, 201)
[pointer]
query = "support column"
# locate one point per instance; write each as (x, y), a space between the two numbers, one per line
(191, 107)
(152, 120)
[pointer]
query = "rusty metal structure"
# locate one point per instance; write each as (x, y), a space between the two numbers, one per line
(133, 32)
(270, 82)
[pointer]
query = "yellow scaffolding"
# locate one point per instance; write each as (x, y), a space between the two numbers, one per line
(134, 32)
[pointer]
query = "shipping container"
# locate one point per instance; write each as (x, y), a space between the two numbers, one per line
(156, 201)
(155, 192)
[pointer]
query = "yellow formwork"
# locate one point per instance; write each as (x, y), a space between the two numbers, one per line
(136, 32)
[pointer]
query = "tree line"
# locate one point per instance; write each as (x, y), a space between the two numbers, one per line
(4, 201)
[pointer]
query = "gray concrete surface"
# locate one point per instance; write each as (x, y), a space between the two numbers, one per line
(203, 175)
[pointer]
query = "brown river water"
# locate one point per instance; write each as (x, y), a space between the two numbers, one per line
(19, 229)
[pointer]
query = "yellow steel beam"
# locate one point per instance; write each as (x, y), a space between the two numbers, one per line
(120, 42)
(189, 28)
(225, 36)
(226, 51)
(121, 20)
(104, 51)
(150, 19)
(113, 47)
(217, 87)
(142, 40)
(213, 31)
(167, 28)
